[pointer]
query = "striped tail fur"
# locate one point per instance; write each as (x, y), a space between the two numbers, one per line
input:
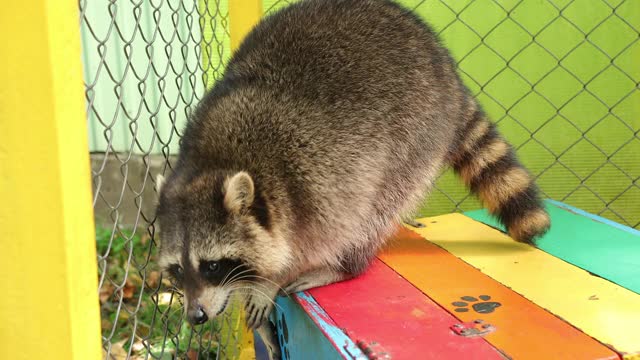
(489, 167)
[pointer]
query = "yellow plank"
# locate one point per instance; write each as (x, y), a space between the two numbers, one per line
(607, 312)
(243, 16)
(49, 305)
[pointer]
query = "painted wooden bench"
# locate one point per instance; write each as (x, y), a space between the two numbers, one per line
(459, 288)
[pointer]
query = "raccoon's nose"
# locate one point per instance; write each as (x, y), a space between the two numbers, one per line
(197, 316)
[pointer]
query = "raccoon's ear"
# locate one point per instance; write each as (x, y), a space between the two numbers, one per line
(238, 192)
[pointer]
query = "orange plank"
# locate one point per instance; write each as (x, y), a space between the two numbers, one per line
(523, 329)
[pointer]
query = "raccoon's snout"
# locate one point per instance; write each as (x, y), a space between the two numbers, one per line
(197, 315)
(209, 304)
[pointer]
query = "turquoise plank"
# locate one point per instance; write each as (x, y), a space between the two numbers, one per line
(595, 217)
(604, 248)
(305, 331)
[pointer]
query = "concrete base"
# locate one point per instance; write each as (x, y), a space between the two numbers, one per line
(124, 187)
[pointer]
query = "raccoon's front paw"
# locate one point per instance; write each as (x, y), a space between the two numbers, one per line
(269, 335)
(258, 310)
(296, 286)
(313, 279)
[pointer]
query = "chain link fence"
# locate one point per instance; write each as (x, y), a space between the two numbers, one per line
(559, 77)
(147, 64)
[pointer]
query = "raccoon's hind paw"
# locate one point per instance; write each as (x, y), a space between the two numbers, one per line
(258, 309)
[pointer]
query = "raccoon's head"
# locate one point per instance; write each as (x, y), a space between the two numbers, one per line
(215, 238)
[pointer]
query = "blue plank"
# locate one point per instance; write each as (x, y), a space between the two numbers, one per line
(308, 332)
(600, 246)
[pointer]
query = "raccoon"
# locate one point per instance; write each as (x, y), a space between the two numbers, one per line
(330, 125)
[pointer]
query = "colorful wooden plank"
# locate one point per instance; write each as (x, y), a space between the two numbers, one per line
(305, 331)
(601, 309)
(381, 307)
(575, 210)
(524, 330)
(598, 245)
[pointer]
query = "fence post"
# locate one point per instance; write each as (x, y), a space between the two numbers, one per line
(243, 15)
(49, 305)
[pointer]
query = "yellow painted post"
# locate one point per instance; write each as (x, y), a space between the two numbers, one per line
(48, 274)
(214, 33)
(243, 16)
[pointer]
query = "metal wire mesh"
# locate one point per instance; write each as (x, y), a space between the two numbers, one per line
(560, 78)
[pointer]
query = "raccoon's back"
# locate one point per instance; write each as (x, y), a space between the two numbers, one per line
(338, 100)
(351, 76)
(347, 54)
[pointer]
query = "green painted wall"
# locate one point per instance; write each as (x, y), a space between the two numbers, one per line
(560, 79)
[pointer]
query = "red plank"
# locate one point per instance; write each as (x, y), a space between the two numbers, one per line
(382, 307)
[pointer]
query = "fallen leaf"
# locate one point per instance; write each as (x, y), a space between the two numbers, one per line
(123, 316)
(106, 324)
(106, 291)
(135, 279)
(116, 352)
(166, 282)
(164, 298)
(594, 297)
(192, 354)
(144, 238)
(128, 290)
(143, 331)
(153, 278)
(137, 346)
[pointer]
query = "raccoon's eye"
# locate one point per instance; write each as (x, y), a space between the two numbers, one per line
(176, 272)
(213, 267)
(212, 270)
(222, 270)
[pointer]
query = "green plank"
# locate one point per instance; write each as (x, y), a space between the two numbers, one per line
(600, 246)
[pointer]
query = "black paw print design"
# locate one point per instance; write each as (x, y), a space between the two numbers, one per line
(483, 307)
(283, 337)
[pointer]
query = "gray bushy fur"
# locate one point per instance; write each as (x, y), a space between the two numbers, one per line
(332, 121)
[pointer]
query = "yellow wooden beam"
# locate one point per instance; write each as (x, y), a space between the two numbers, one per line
(49, 304)
(243, 16)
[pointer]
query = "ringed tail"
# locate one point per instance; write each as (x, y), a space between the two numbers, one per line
(489, 167)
